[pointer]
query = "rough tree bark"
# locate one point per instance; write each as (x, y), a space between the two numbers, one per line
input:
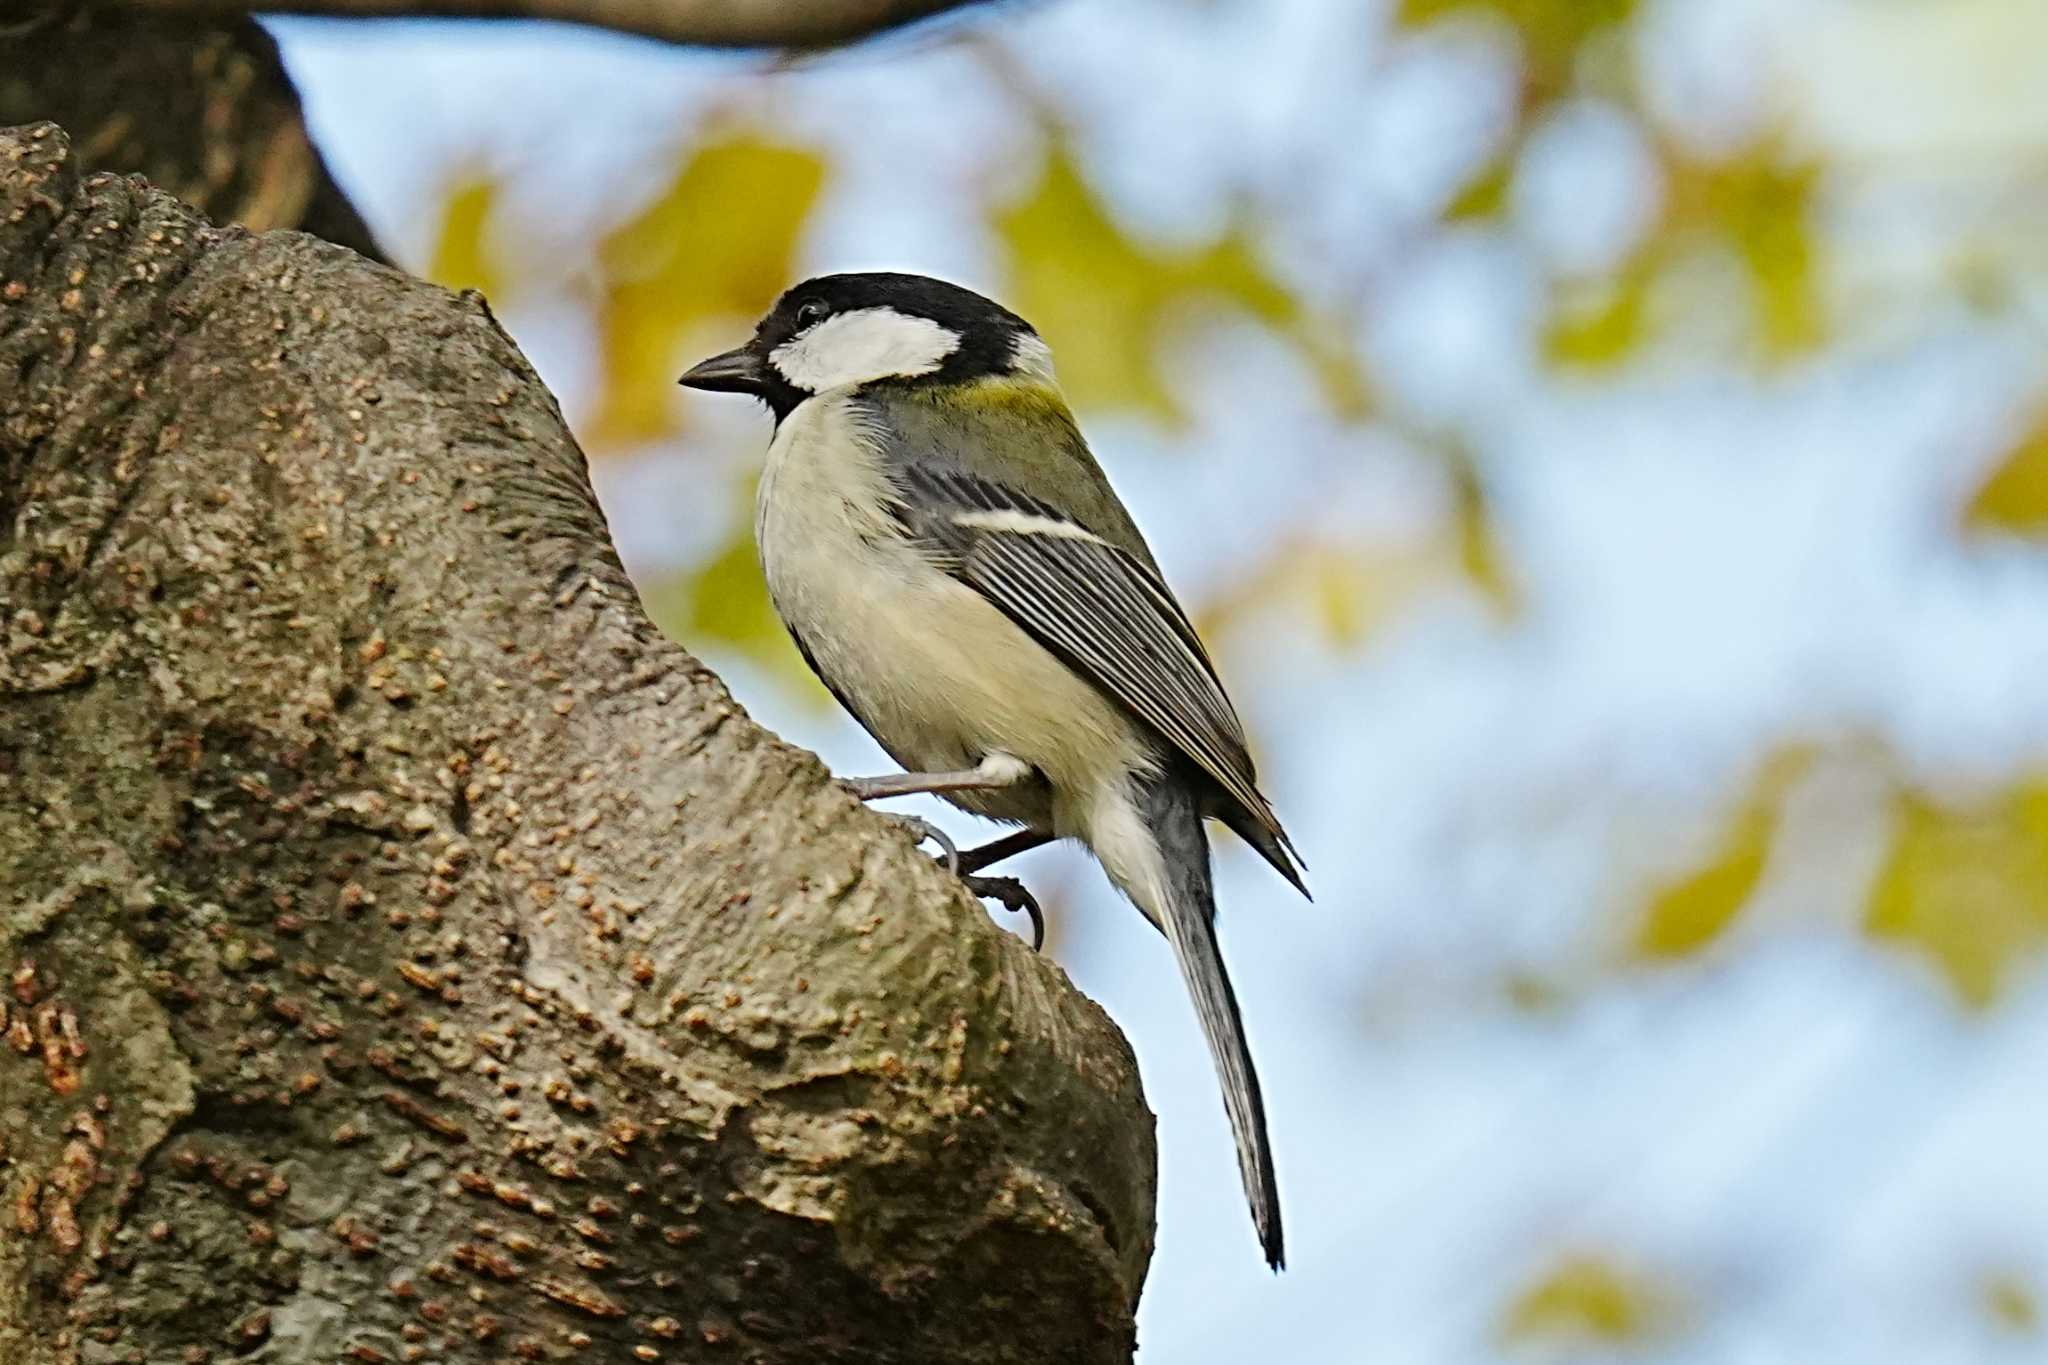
(406, 953)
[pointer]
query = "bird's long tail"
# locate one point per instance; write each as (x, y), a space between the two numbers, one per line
(1187, 915)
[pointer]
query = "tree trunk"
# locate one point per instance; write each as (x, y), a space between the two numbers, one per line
(406, 953)
(201, 105)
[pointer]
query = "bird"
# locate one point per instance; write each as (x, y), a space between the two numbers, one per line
(954, 566)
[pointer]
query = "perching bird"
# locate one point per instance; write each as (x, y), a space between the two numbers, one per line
(955, 568)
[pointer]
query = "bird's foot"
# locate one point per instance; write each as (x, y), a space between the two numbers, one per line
(1008, 891)
(924, 831)
(1013, 896)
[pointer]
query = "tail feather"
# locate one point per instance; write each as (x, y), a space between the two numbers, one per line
(1187, 915)
(1270, 841)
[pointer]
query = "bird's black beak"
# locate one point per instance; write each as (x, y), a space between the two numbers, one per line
(739, 370)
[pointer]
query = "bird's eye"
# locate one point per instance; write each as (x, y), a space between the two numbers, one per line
(811, 311)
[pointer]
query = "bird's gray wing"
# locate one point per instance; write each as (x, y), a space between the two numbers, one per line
(1108, 615)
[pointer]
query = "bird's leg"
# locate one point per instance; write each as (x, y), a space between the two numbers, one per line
(996, 771)
(997, 850)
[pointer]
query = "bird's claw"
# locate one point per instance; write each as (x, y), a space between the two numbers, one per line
(922, 830)
(1013, 896)
(1007, 891)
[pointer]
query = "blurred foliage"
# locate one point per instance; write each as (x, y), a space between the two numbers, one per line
(1106, 302)
(1968, 887)
(1349, 591)
(715, 248)
(1757, 204)
(1602, 324)
(2012, 1303)
(1343, 591)
(1480, 554)
(1552, 33)
(1691, 912)
(1588, 1301)
(2015, 497)
(462, 259)
(1552, 37)
(1485, 195)
(1761, 202)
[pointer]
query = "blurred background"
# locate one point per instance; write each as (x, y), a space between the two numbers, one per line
(1606, 444)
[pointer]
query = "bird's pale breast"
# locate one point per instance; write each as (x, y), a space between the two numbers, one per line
(939, 675)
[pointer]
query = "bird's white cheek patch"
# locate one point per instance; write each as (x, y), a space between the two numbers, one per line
(1029, 355)
(866, 344)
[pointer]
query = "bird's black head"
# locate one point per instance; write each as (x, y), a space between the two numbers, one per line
(838, 331)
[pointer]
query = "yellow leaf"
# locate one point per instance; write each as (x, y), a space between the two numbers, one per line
(1479, 550)
(712, 251)
(1967, 888)
(1692, 911)
(1597, 328)
(2015, 497)
(1763, 203)
(2012, 1303)
(1104, 301)
(1485, 195)
(1553, 32)
(462, 260)
(1759, 204)
(1587, 1301)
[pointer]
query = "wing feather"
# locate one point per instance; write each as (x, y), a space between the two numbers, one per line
(1102, 609)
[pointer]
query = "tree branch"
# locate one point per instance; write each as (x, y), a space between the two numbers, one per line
(707, 23)
(406, 953)
(200, 105)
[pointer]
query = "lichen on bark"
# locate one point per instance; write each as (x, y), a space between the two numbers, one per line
(410, 955)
